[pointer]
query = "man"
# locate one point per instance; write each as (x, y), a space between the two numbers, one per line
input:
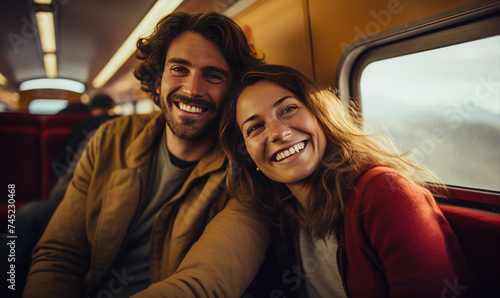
(147, 211)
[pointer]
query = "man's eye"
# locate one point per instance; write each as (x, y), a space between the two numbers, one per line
(214, 78)
(178, 71)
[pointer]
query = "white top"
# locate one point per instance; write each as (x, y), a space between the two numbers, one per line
(319, 259)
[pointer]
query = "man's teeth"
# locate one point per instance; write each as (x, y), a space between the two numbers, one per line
(291, 151)
(189, 108)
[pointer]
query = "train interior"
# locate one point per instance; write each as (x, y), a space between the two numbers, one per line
(425, 72)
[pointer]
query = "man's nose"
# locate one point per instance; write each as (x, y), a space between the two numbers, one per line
(193, 86)
(279, 131)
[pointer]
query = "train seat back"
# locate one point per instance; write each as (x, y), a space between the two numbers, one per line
(479, 235)
(20, 158)
(55, 130)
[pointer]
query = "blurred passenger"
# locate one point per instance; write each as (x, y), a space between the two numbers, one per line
(76, 107)
(358, 219)
(99, 110)
(147, 210)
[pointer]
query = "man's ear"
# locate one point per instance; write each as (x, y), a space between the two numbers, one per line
(158, 85)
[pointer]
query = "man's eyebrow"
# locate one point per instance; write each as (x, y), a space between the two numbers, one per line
(180, 61)
(277, 103)
(185, 62)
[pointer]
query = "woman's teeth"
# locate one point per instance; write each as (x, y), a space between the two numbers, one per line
(289, 152)
(190, 109)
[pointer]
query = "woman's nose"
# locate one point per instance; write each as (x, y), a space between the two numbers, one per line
(279, 131)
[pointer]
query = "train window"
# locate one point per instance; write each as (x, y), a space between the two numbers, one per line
(145, 106)
(47, 106)
(434, 86)
(443, 103)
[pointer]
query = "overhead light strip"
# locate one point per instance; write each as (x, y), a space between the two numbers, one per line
(50, 61)
(45, 21)
(63, 84)
(145, 27)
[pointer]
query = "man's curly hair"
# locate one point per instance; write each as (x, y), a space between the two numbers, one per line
(223, 31)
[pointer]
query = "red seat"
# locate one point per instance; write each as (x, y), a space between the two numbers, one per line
(20, 119)
(63, 120)
(55, 130)
(19, 158)
(479, 235)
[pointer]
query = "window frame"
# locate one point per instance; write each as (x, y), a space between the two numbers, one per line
(466, 23)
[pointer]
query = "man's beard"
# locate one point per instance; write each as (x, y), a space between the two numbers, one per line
(184, 129)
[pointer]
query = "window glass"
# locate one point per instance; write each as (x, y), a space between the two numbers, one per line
(47, 106)
(146, 106)
(444, 104)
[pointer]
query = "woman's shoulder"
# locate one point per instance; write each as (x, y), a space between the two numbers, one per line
(376, 172)
(377, 182)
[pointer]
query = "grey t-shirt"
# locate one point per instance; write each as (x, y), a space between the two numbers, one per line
(319, 259)
(130, 273)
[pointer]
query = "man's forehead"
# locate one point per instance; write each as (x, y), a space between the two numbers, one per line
(193, 49)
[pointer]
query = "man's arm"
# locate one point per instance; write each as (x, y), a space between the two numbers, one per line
(223, 262)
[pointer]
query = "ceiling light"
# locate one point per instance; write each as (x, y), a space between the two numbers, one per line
(45, 21)
(238, 7)
(43, 2)
(145, 27)
(50, 62)
(62, 84)
(3, 80)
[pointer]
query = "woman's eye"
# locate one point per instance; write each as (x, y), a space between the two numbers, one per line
(252, 129)
(287, 110)
(213, 78)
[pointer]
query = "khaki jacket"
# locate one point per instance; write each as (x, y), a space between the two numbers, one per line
(203, 244)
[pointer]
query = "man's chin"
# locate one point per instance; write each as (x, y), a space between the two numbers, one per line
(190, 133)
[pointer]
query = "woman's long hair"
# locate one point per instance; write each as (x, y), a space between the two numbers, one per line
(348, 151)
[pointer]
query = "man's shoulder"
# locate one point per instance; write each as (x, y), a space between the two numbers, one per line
(130, 124)
(134, 119)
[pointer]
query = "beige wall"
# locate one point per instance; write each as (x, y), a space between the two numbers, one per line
(336, 23)
(310, 35)
(280, 29)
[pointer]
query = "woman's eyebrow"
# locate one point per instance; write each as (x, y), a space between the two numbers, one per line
(279, 101)
(253, 117)
(275, 104)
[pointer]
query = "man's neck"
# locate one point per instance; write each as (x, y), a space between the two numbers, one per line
(189, 150)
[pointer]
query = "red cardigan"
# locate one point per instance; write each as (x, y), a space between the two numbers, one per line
(395, 242)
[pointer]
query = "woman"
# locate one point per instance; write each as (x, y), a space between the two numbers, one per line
(361, 217)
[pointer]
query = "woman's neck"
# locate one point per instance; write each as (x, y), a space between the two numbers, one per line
(301, 192)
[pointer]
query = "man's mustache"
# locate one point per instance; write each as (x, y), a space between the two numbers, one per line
(191, 101)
